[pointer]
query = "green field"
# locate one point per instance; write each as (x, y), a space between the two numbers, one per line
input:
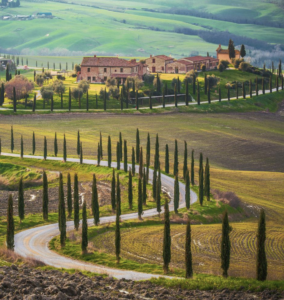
(132, 28)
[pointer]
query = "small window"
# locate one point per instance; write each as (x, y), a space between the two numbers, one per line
(94, 78)
(153, 60)
(89, 69)
(115, 70)
(121, 70)
(89, 78)
(105, 69)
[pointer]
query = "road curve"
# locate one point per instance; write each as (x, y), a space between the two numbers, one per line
(34, 242)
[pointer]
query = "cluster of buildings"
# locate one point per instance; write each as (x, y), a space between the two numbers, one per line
(98, 69)
(40, 15)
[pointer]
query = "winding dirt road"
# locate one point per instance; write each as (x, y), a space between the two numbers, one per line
(34, 242)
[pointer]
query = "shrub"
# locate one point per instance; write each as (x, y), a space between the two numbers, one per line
(22, 86)
(213, 80)
(39, 79)
(148, 79)
(60, 77)
(175, 82)
(245, 67)
(74, 75)
(102, 93)
(46, 92)
(189, 76)
(84, 85)
(114, 91)
(225, 63)
(58, 87)
(221, 67)
(227, 197)
(110, 82)
(77, 93)
(77, 68)
(236, 62)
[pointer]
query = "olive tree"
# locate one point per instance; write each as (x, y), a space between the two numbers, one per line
(46, 92)
(58, 87)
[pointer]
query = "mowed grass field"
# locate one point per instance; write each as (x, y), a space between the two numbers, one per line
(130, 28)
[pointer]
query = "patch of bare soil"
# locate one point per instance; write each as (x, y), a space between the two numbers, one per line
(33, 197)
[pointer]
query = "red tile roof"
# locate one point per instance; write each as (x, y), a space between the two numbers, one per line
(197, 58)
(107, 62)
(164, 57)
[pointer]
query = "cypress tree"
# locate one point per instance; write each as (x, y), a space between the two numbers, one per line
(270, 84)
(187, 190)
(125, 156)
(118, 195)
(34, 103)
(201, 180)
(140, 199)
(186, 93)
(21, 201)
(22, 147)
(44, 148)
(2, 94)
(176, 102)
(118, 155)
(84, 244)
(277, 83)
(178, 85)
(133, 162)
(81, 153)
(176, 195)
(44, 196)
(141, 163)
(154, 185)
(261, 262)
(137, 145)
(198, 93)
(34, 143)
(163, 98)
(158, 192)
(109, 152)
(55, 145)
(113, 202)
(64, 149)
(61, 213)
(250, 88)
(167, 160)
(144, 190)
(76, 202)
(185, 168)
(220, 94)
(244, 91)
(148, 156)
(99, 155)
(101, 145)
(188, 254)
(130, 191)
(10, 225)
(12, 139)
(117, 236)
(78, 143)
(95, 202)
(176, 160)
(157, 154)
(150, 101)
(263, 87)
(69, 196)
(256, 86)
(237, 89)
(167, 239)
(192, 167)
(120, 146)
(225, 245)
(209, 95)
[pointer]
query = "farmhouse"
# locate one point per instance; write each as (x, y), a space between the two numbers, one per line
(223, 54)
(98, 69)
(184, 65)
(158, 63)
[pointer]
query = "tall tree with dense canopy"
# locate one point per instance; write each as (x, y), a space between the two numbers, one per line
(137, 145)
(69, 196)
(201, 178)
(113, 201)
(10, 225)
(22, 147)
(192, 167)
(125, 156)
(95, 202)
(44, 148)
(55, 145)
(261, 262)
(185, 168)
(21, 200)
(188, 253)
(117, 236)
(84, 244)
(187, 190)
(148, 155)
(44, 196)
(140, 199)
(158, 191)
(76, 202)
(243, 51)
(130, 190)
(133, 162)
(176, 194)
(64, 149)
(167, 239)
(141, 163)
(231, 49)
(225, 245)
(176, 159)
(144, 189)
(109, 152)
(167, 160)
(61, 213)
(207, 180)
(157, 154)
(118, 195)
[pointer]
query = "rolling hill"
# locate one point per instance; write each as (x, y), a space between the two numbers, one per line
(135, 28)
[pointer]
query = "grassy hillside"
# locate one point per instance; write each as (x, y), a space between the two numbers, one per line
(132, 28)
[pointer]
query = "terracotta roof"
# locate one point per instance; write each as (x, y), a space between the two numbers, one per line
(181, 61)
(107, 62)
(165, 57)
(197, 58)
